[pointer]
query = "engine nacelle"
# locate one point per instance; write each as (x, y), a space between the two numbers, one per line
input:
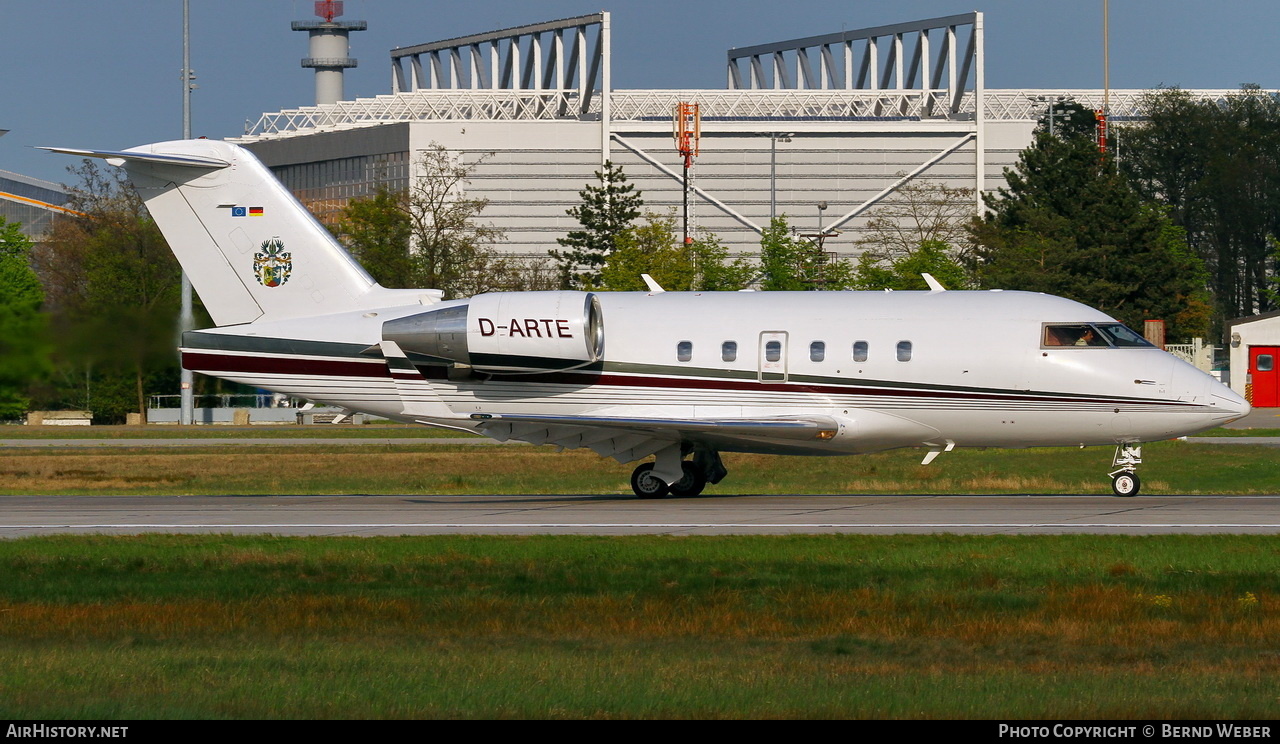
(507, 332)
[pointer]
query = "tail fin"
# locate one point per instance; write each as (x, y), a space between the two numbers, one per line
(251, 250)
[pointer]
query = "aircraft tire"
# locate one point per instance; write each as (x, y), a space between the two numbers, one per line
(691, 483)
(1126, 484)
(646, 485)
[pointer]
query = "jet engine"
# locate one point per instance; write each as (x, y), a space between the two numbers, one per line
(521, 332)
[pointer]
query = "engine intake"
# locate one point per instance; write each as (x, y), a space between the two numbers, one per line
(507, 332)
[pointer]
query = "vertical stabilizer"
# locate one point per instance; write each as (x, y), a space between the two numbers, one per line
(252, 251)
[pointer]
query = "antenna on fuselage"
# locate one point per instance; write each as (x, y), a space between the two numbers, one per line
(934, 284)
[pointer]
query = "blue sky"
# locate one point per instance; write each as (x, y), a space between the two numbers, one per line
(104, 74)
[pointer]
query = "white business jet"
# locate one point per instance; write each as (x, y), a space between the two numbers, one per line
(677, 376)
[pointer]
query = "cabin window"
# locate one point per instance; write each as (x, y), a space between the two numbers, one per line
(684, 351)
(817, 351)
(859, 351)
(773, 351)
(1264, 363)
(904, 351)
(729, 351)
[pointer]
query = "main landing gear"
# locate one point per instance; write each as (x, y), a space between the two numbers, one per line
(1125, 480)
(704, 468)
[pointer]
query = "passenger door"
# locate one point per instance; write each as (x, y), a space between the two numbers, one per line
(773, 356)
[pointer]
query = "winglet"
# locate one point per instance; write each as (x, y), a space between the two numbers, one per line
(651, 284)
(934, 284)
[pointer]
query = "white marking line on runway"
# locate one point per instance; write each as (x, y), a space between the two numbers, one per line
(664, 525)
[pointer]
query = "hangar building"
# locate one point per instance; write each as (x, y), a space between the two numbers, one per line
(821, 129)
(1255, 358)
(32, 202)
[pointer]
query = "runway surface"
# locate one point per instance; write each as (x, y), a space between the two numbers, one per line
(625, 515)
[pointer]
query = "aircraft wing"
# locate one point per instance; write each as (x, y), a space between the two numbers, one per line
(627, 439)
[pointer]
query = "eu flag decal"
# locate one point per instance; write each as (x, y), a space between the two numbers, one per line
(239, 211)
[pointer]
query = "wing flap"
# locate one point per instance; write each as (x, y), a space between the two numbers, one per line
(800, 428)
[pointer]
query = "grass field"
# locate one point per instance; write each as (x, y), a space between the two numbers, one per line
(640, 627)
(315, 431)
(425, 468)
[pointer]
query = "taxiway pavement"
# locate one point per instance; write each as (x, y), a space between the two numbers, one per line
(624, 515)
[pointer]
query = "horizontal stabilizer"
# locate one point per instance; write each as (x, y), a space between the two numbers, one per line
(120, 157)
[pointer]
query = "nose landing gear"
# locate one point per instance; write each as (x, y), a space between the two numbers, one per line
(1125, 480)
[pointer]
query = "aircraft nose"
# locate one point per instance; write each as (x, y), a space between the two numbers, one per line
(1232, 405)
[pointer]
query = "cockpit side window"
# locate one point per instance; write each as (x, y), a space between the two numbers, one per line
(1074, 335)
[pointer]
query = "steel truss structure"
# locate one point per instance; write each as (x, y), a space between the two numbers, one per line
(553, 56)
(871, 59)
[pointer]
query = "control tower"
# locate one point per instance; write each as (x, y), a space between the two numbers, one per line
(330, 48)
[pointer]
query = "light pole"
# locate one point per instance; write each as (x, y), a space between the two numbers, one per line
(774, 139)
(1050, 104)
(186, 411)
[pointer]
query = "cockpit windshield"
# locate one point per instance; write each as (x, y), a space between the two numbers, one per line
(1120, 335)
(1095, 335)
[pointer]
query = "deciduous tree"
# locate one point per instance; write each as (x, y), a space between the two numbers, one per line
(113, 287)
(24, 351)
(791, 263)
(1215, 164)
(653, 248)
(430, 236)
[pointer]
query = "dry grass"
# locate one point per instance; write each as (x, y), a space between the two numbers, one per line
(367, 470)
(423, 468)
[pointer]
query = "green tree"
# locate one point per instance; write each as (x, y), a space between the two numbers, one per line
(1215, 165)
(24, 351)
(113, 291)
(429, 235)
(1069, 224)
(790, 263)
(377, 230)
(653, 248)
(919, 212)
(606, 211)
(905, 272)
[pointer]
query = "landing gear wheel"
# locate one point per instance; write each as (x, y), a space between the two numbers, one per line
(647, 485)
(1126, 484)
(691, 483)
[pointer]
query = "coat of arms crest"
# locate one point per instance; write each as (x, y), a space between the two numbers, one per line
(272, 265)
